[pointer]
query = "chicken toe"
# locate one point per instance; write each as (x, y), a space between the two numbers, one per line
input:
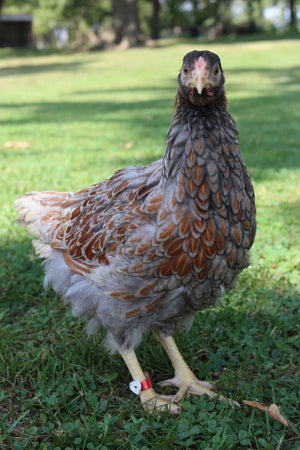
(188, 385)
(184, 379)
(142, 386)
(151, 401)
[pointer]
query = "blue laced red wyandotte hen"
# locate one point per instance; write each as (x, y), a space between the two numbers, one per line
(153, 245)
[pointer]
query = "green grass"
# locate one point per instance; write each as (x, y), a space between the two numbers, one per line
(85, 115)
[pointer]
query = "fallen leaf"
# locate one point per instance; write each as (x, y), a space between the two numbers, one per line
(16, 144)
(272, 410)
(254, 404)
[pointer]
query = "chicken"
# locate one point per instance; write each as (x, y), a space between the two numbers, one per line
(153, 245)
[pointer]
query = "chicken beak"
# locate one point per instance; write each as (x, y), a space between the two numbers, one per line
(200, 75)
(199, 85)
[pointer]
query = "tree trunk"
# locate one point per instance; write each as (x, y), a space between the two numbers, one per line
(291, 4)
(125, 22)
(155, 26)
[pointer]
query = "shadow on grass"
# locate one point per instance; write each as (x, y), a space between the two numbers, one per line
(267, 124)
(18, 52)
(291, 75)
(39, 68)
(251, 330)
(247, 346)
(92, 111)
(21, 274)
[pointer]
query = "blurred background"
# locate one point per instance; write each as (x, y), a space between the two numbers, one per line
(70, 117)
(100, 24)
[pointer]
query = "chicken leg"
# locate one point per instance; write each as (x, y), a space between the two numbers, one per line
(184, 379)
(149, 398)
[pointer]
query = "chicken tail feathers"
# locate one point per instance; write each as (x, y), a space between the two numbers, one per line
(40, 212)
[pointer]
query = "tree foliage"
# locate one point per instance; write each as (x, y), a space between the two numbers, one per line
(134, 20)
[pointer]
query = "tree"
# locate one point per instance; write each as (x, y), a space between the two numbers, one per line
(155, 22)
(292, 8)
(87, 21)
(125, 22)
(90, 11)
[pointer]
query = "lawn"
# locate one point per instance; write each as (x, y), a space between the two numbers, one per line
(69, 120)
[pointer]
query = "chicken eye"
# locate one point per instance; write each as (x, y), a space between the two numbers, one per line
(217, 70)
(185, 70)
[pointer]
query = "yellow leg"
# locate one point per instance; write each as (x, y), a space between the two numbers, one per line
(149, 398)
(184, 379)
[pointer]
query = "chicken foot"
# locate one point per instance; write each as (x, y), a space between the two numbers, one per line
(149, 398)
(184, 379)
